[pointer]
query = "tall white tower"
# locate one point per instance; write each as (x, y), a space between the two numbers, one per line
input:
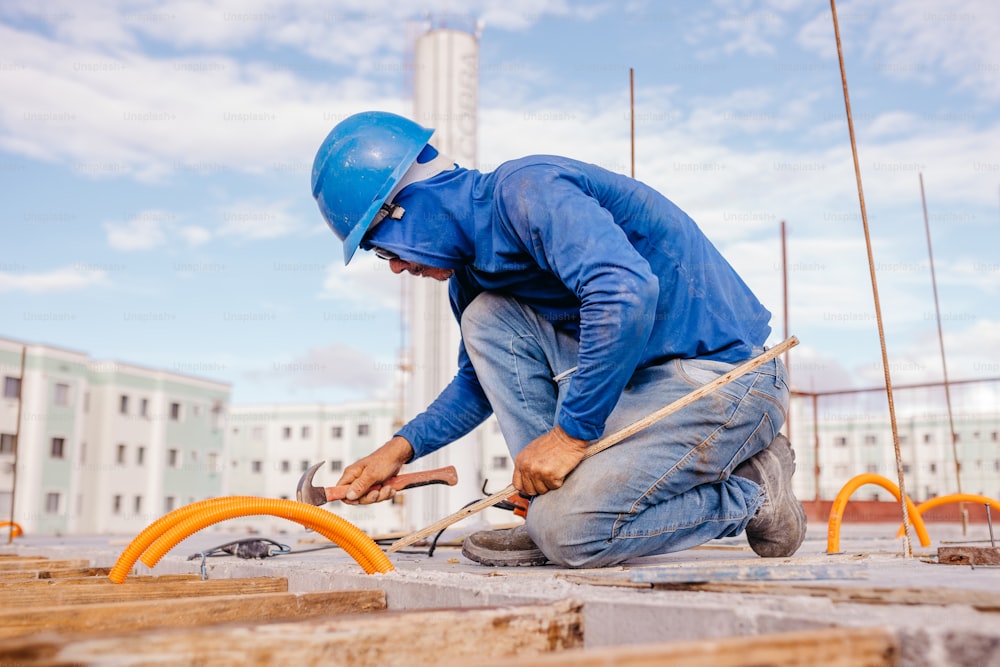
(446, 82)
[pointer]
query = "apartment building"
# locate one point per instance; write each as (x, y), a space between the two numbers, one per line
(104, 447)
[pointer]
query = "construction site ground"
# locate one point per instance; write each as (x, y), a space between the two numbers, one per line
(938, 614)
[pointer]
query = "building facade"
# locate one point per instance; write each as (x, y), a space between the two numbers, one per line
(104, 447)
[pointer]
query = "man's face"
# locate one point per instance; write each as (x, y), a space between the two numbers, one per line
(397, 265)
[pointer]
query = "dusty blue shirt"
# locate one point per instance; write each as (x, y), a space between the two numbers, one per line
(600, 254)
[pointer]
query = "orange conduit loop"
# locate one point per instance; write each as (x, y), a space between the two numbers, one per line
(164, 533)
(15, 528)
(837, 510)
(295, 511)
(953, 498)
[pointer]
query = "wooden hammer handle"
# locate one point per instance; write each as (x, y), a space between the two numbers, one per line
(608, 441)
(447, 475)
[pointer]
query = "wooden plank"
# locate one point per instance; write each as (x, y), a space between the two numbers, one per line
(39, 563)
(838, 647)
(184, 612)
(98, 581)
(966, 555)
(414, 639)
(978, 599)
(32, 596)
(59, 573)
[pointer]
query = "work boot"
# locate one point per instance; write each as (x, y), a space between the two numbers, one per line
(503, 548)
(779, 526)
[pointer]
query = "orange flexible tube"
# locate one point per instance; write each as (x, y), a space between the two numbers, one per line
(151, 533)
(233, 506)
(15, 528)
(953, 498)
(346, 535)
(198, 515)
(837, 509)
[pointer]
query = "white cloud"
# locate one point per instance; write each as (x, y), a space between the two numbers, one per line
(143, 232)
(367, 280)
(335, 366)
(194, 235)
(255, 222)
(65, 279)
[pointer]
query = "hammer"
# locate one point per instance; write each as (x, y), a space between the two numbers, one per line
(306, 492)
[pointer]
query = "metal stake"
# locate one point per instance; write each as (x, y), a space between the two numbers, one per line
(989, 522)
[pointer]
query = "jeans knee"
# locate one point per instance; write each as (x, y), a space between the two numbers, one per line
(571, 539)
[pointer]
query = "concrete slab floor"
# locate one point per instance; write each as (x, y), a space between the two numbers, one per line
(943, 614)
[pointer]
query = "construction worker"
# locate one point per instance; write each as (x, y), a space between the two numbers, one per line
(586, 300)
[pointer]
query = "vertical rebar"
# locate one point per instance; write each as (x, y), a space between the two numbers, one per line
(944, 364)
(631, 113)
(784, 295)
(17, 438)
(908, 547)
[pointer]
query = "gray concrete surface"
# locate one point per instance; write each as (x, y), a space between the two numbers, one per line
(946, 628)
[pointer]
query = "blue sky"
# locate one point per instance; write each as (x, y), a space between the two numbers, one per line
(155, 157)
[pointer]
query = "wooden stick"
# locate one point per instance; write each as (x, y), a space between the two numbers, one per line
(609, 441)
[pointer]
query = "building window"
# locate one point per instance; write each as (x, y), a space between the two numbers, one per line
(144, 408)
(11, 387)
(286, 432)
(928, 438)
(994, 436)
(62, 394)
(196, 410)
(6, 443)
(52, 503)
(123, 404)
(137, 505)
(58, 448)
(213, 462)
(903, 438)
(286, 466)
(140, 455)
(336, 465)
(933, 468)
(168, 503)
(86, 401)
(871, 439)
(175, 412)
(116, 504)
(906, 468)
(256, 466)
(173, 458)
(362, 429)
(840, 441)
(120, 459)
(500, 462)
(304, 465)
(871, 467)
(336, 432)
(306, 432)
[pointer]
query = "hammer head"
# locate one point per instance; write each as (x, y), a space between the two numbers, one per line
(305, 492)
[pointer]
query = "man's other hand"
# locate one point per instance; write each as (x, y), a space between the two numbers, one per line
(543, 465)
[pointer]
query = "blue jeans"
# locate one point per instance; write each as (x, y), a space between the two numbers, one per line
(668, 487)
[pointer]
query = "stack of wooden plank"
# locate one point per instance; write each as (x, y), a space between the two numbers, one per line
(58, 612)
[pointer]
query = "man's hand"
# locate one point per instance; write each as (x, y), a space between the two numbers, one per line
(543, 465)
(374, 469)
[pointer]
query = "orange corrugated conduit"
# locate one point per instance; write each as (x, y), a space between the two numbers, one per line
(164, 533)
(837, 510)
(15, 528)
(953, 498)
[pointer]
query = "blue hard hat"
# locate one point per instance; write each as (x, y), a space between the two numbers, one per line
(357, 166)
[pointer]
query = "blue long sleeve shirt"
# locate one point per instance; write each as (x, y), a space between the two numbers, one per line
(599, 254)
